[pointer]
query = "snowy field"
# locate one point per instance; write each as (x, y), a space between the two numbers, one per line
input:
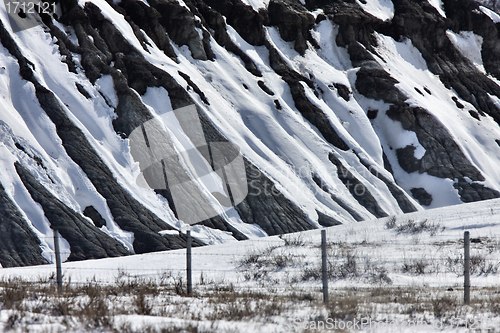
(389, 274)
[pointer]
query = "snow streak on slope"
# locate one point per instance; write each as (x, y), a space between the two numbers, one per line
(438, 4)
(382, 9)
(492, 15)
(257, 4)
(469, 45)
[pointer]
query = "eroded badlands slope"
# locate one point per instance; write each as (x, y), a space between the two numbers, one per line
(342, 111)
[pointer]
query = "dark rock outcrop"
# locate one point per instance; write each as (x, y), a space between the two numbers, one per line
(470, 191)
(180, 24)
(337, 200)
(127, 212)
(247, 22)
(293, 21)
(102, 49)
(269, 209)
(19, 246)
(266, 206)
(398, 194)
(95, 216)
(443, 157)
(426, 28)
(357, 189)
(85, 240)
(327, 221)
(424, 198)
(308, 110)
(215, 22)
(147, 18)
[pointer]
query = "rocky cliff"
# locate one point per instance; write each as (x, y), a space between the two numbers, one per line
(342, 111)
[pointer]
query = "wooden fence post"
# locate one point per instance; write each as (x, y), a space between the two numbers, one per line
(466, 267)
(324, 266)
(58, 261)
(188, 264)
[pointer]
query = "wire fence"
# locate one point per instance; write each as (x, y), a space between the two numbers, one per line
(290, 263)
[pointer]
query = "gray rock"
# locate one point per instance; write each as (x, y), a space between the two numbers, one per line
(147, 18)
(85, 240)
(357, 189)
(19, 246)
(424, 198)
(95, 216)
(404, 203)
(247, 22)
(341, 203)
(293, 21)
(326, 221)
(180, 25)
(308, 110)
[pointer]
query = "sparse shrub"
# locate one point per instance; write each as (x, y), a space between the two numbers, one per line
(416, 267)
(441, 306)
(391, 222)
(180, 287)
(344, 307)
(282, 260)
(378, 275)
(142, 305)
(63, 306)
(12, 294)
(412, 227)
(293, 240)
(250, 259)
(494, 301)
(13, 321)
(258, 265)
(96, 311)
(478, 265)
(455, 265)
(350, 267)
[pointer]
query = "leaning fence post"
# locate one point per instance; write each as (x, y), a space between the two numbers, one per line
(188, 264)
(466, 268)
(323, 266)
(58, 261)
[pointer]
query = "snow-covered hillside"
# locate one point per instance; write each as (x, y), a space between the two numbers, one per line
(342, 112)
(400, 273)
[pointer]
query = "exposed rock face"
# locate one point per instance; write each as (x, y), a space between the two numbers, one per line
(19, 246)
(293, 22)
(401, 197)
(194, 34)
(95, 216)
(310, 111)
(443, 158)
(242, 18)
(426, 29)
(127, 212)
(180, 25)
(86, 241)
(422, 196)
(357, 189)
